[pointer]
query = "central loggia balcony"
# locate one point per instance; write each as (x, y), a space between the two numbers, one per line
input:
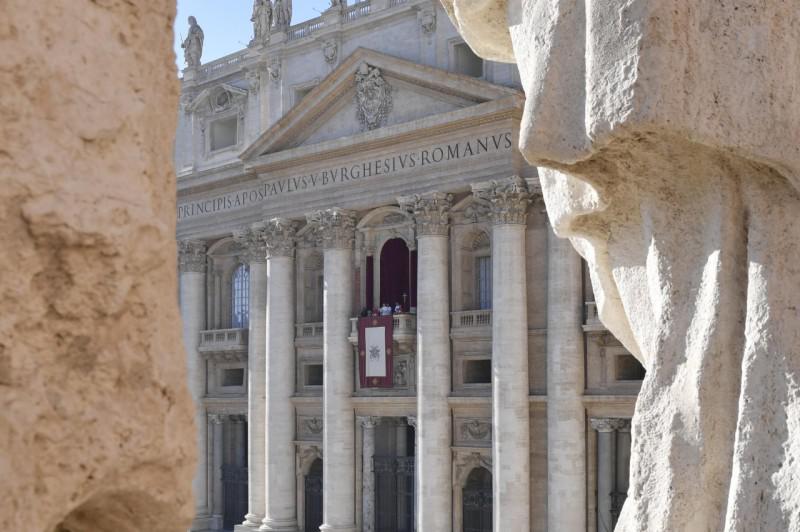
(404, 325)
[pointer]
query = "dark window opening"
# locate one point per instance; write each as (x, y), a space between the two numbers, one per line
(629, 369)
(233, 377)
(478, 372)
(314, 375)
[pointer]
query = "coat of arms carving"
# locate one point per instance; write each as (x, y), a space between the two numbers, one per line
(373, 97)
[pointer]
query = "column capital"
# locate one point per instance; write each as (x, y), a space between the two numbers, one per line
(507, 199)
(369, 422)
(251, 239)
(609, 424)
(217, 418)
(192, 256)
(280, 237)
(431, 211)
(335, 226)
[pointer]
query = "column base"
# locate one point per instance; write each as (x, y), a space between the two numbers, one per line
(273, 525)
(251, 522)
(332, 528)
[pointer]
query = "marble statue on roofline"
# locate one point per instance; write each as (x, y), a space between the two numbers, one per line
(666, 132)
(193, 44)
(262, 20)
(282, 13)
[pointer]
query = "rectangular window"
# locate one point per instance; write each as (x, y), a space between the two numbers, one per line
(223, 133)
(478, 371)
(466, 62)
(314, 375)
(233, 377)
(483, 282)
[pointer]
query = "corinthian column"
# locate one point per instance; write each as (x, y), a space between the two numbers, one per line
(433, 455)
(606, 469)
(192, 265)
(508, 202)
(566, 423)
(252, 240)
(337, 228)
(280, 502)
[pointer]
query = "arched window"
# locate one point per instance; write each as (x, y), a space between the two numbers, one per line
(240, 294)
(481, 253)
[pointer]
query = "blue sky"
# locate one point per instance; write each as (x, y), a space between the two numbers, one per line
(226, 23)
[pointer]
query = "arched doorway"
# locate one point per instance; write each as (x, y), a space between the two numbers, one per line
(397, 274)
(477, 501)
(313, 497)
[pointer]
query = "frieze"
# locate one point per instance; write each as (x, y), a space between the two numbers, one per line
(342, 175)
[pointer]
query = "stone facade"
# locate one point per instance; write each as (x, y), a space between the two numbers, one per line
(371, 156)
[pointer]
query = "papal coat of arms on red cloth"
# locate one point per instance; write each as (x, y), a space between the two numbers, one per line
(375, 351)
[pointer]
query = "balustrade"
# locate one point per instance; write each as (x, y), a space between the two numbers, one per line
(223, 340)
(471, 319)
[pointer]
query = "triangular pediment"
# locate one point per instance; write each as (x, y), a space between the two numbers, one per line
(331, 110)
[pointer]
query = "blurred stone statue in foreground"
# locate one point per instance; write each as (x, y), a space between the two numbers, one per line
(193, 44)
(666, 132)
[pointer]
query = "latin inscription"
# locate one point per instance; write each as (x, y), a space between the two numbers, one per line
(344, 174)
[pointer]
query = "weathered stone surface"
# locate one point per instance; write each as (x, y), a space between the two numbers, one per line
(95, 417)
(667, 133)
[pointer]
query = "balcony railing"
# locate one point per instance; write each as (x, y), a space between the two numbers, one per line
(308, 330)
(404, 325)
(223, 340)
(222, 66)
(471, 319)
(304, 29)
(357, 11)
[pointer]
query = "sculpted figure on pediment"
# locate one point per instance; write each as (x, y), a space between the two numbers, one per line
(666, 135)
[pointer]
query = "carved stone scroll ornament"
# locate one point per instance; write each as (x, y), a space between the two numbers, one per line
(680, 186)
(373, 97)
(330, 50)
(475, 429)
(431, 212)
(274, 70)
(335, 226)
(314, 425)
(192, 256)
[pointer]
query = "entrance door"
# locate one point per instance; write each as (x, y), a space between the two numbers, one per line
(395, 274)
(234, 490)
(477, 501)
(394, 493)
(313, 497)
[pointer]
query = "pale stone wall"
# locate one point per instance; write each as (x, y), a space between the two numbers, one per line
(95, 414)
